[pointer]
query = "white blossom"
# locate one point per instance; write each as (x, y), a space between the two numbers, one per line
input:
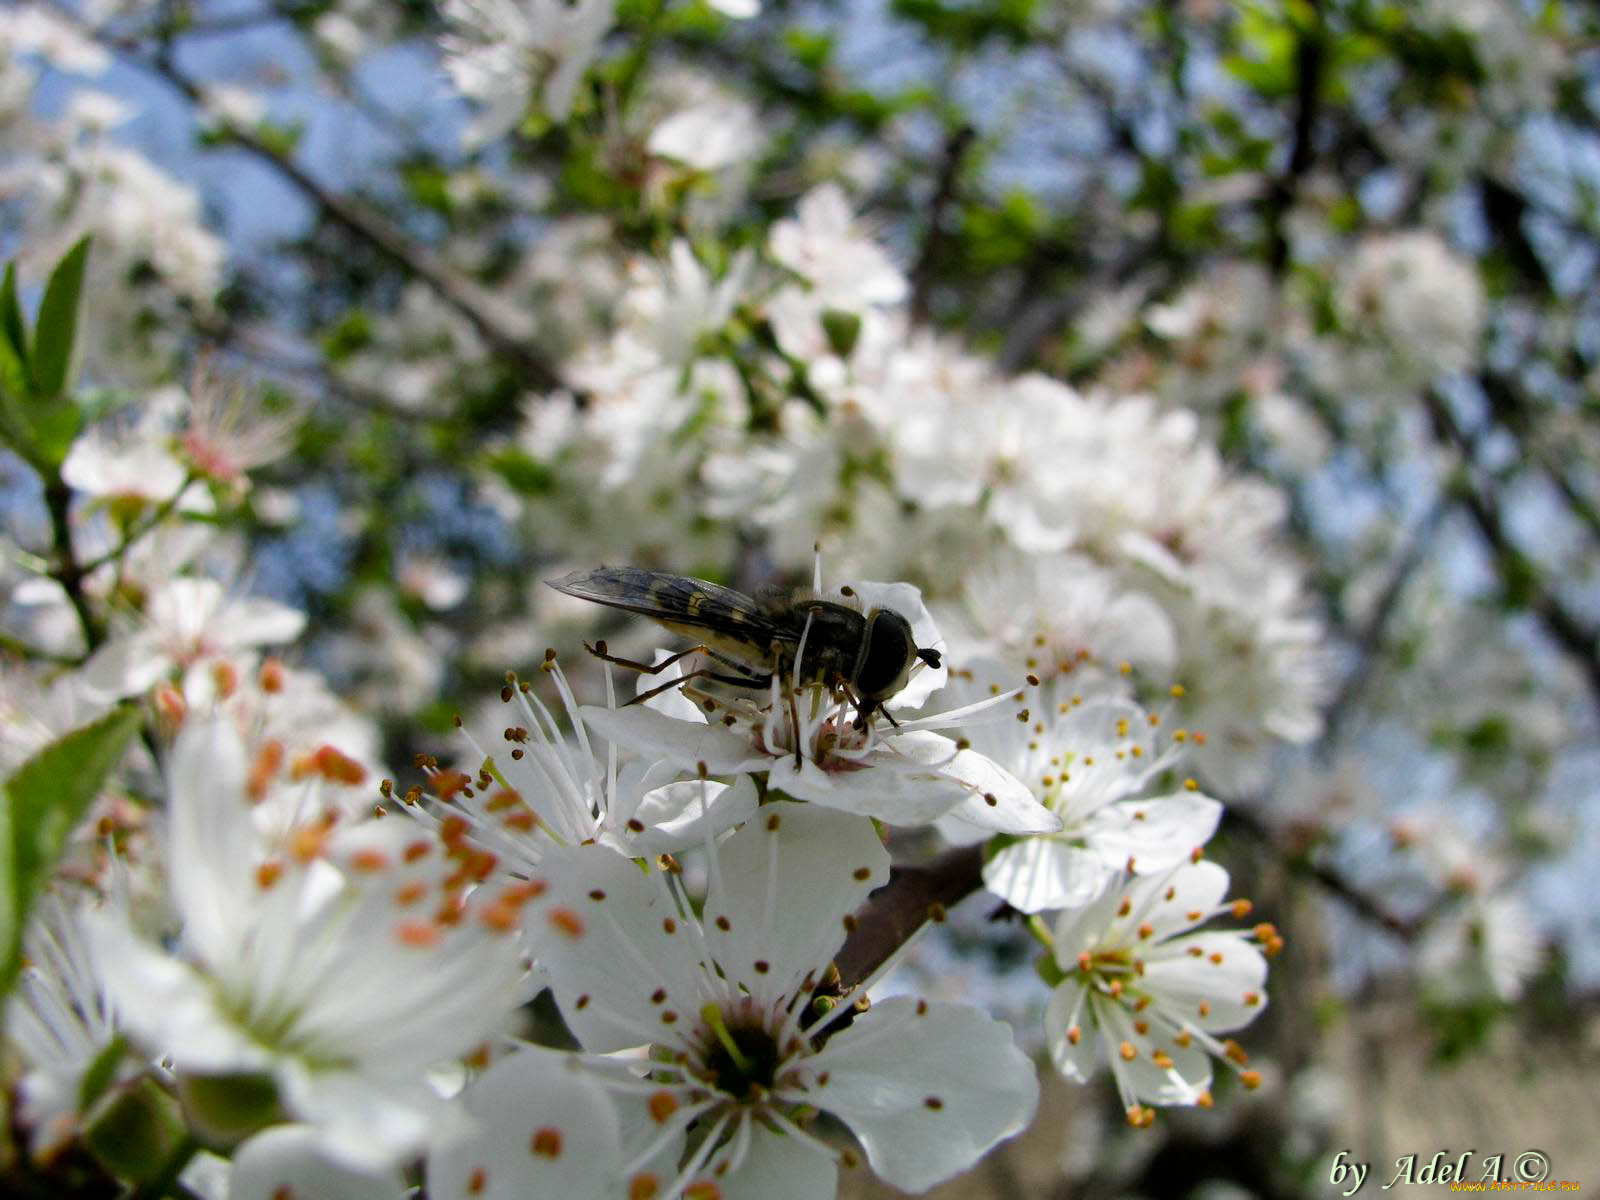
(1099, 765)
(340, 968)
(725, 1000)
(186, 622)
(1145, 990)
(60, 1019)
(498, 51)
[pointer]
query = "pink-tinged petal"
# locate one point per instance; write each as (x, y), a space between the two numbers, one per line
(927, 1088)
(1072, 1038)
(998, 801)
(787, 879)
(543, 1129)
(685, 743)
(1223, 971)
(778, 1167)
(169, 1009)
(290, 1160)
(1036, 874)
(1153, 834)
(619, 955)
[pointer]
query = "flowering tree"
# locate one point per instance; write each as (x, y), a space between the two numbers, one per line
(1083, 444)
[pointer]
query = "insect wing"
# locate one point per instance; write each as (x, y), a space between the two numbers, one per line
(676, 600)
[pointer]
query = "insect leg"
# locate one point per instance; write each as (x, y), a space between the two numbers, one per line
(794, 723)
(599, 651)
(667, 686)
(702, 673)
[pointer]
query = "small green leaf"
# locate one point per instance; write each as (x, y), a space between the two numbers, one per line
(843, 329)
(101, 1072)
(135, 1131)
(57, 326)
(39, 805)
(11, 324)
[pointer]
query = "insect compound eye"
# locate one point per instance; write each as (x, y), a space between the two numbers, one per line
(885, 662)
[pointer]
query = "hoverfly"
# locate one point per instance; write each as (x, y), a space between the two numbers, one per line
(868, 655)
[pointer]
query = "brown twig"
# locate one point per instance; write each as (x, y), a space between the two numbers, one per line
(899, 908)
(1518, 572)
(934, 237)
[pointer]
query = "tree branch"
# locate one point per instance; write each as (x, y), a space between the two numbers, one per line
(1383, 609)
(1309, 57)
(1519, 574)
(473, 302)
(956, 143)
(898, 909)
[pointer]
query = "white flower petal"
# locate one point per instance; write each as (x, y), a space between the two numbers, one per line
(686, 743)
(363, 1120)
(1229, 970)
(213, 846)
(999, 801)
(1067, 1010)
(673, 815)
(258, 621)
(1036, 874)
(928, 1101)
(168, 1008)
(125, 666)
(1153, 834)
(544, 1129)
(1197, 888)
(290, 1160)
(781, 1168)
(616, 949)
(787, 879)
(894, 791)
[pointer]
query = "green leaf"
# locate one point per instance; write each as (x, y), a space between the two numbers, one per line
(11, 324)
(39, 805)
(57, 326)
(522, 472)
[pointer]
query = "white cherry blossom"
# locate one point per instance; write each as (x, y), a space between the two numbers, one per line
(724, 1000)
(1099, 765)
(542, 1128)
(186, 622)
(1147, 991)
(545, 788)
(340, 968)
(498, 51)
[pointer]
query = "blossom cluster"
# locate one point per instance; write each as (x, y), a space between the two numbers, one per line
(1096, 530)
(329, 973)
(652, 937)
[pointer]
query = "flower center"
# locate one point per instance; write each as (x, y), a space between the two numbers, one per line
(746, 1068)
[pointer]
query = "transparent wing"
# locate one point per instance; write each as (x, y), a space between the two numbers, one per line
(678, 600)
